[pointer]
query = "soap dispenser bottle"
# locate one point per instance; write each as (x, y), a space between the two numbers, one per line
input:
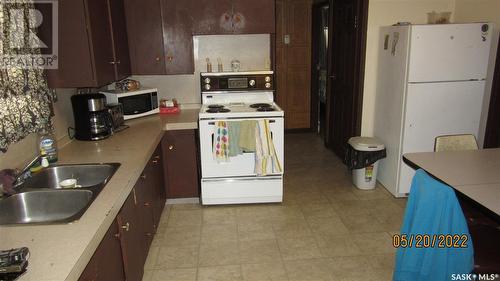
(47, 145)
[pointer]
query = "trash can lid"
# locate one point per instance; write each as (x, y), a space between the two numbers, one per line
(366, 144)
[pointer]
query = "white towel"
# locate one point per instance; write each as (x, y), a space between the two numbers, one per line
(266, 160)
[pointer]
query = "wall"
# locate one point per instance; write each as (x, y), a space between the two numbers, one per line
(482, 10)
(253, 51)
(382, 13)
(19, 154)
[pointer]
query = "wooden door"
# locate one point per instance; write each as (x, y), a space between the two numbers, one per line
(258, 16)
(293, 61)
(145, 36)
(131, 239)
(101, 43)
(345, 72)
(181, 165)
(492, 135)
(120, 40)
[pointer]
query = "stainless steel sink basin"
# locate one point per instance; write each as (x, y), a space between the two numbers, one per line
(87, 175)
(40, 199)
(43, 206)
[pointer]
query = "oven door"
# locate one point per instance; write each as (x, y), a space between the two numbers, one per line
(237, 166)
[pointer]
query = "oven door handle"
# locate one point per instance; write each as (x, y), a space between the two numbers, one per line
(213, 123)
(255, 178)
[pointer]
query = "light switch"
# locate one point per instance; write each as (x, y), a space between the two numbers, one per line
(286, 39)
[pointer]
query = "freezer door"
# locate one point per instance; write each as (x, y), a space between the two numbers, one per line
(435, 109)
(389, 100)
(449, 52)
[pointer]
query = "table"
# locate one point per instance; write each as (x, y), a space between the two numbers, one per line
(474, 173)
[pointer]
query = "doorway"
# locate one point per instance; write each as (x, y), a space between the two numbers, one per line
(345, 75)
(320, 26)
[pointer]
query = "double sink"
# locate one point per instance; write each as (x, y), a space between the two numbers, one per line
(41, 199)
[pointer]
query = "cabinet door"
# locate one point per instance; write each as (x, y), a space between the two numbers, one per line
(212, 17)
(100, 41)
(90, 271)
(120, 41)
(178, 36)
(255, 16)
(145, 36)
(159, 196)
(74, 58)
(144, 196)
(181, 165)
(280, 61)
(132, 240)
(109, 253)
(106, 264)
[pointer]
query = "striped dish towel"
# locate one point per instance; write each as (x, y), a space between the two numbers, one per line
(266, 160)
(221, 142)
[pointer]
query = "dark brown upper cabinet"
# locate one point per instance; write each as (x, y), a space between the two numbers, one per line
(93, 47)
(121, 52)
(212, 17)
(161, 31)
(178, 36)
(233, 17)
(145, 36)
(253, 17)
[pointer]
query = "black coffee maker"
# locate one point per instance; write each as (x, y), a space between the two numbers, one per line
(92, 118)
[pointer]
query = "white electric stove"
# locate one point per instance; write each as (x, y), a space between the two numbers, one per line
(238, 96)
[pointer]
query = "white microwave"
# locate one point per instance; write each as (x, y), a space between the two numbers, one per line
(136, 103)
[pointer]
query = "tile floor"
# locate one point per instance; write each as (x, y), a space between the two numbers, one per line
(325, 229)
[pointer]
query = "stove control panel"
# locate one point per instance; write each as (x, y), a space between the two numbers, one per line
(237, 81)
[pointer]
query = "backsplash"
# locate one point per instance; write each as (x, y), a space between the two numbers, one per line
(253, 52)
(22, 152)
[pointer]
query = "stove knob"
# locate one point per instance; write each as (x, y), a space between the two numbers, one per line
(207, 80)
(268, 85)
(251, 83)
(268, 79)
(207, 87)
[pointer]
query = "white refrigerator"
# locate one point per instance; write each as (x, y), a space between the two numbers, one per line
(431, 82)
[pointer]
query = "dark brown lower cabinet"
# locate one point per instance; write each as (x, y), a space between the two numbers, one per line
(180, 154)
(132, 241)
(106, 263)
(158, 183)
(122, 253)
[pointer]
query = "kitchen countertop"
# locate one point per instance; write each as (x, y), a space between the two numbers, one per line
(61, 251)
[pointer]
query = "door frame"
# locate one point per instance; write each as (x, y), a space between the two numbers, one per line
(359, 73)
(492, 133)
(316, 20)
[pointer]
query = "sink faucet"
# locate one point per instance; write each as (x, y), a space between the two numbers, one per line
(22, 175)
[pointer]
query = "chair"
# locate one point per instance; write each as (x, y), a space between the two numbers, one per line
(455, 142)
(432, 209)
(483, 229)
